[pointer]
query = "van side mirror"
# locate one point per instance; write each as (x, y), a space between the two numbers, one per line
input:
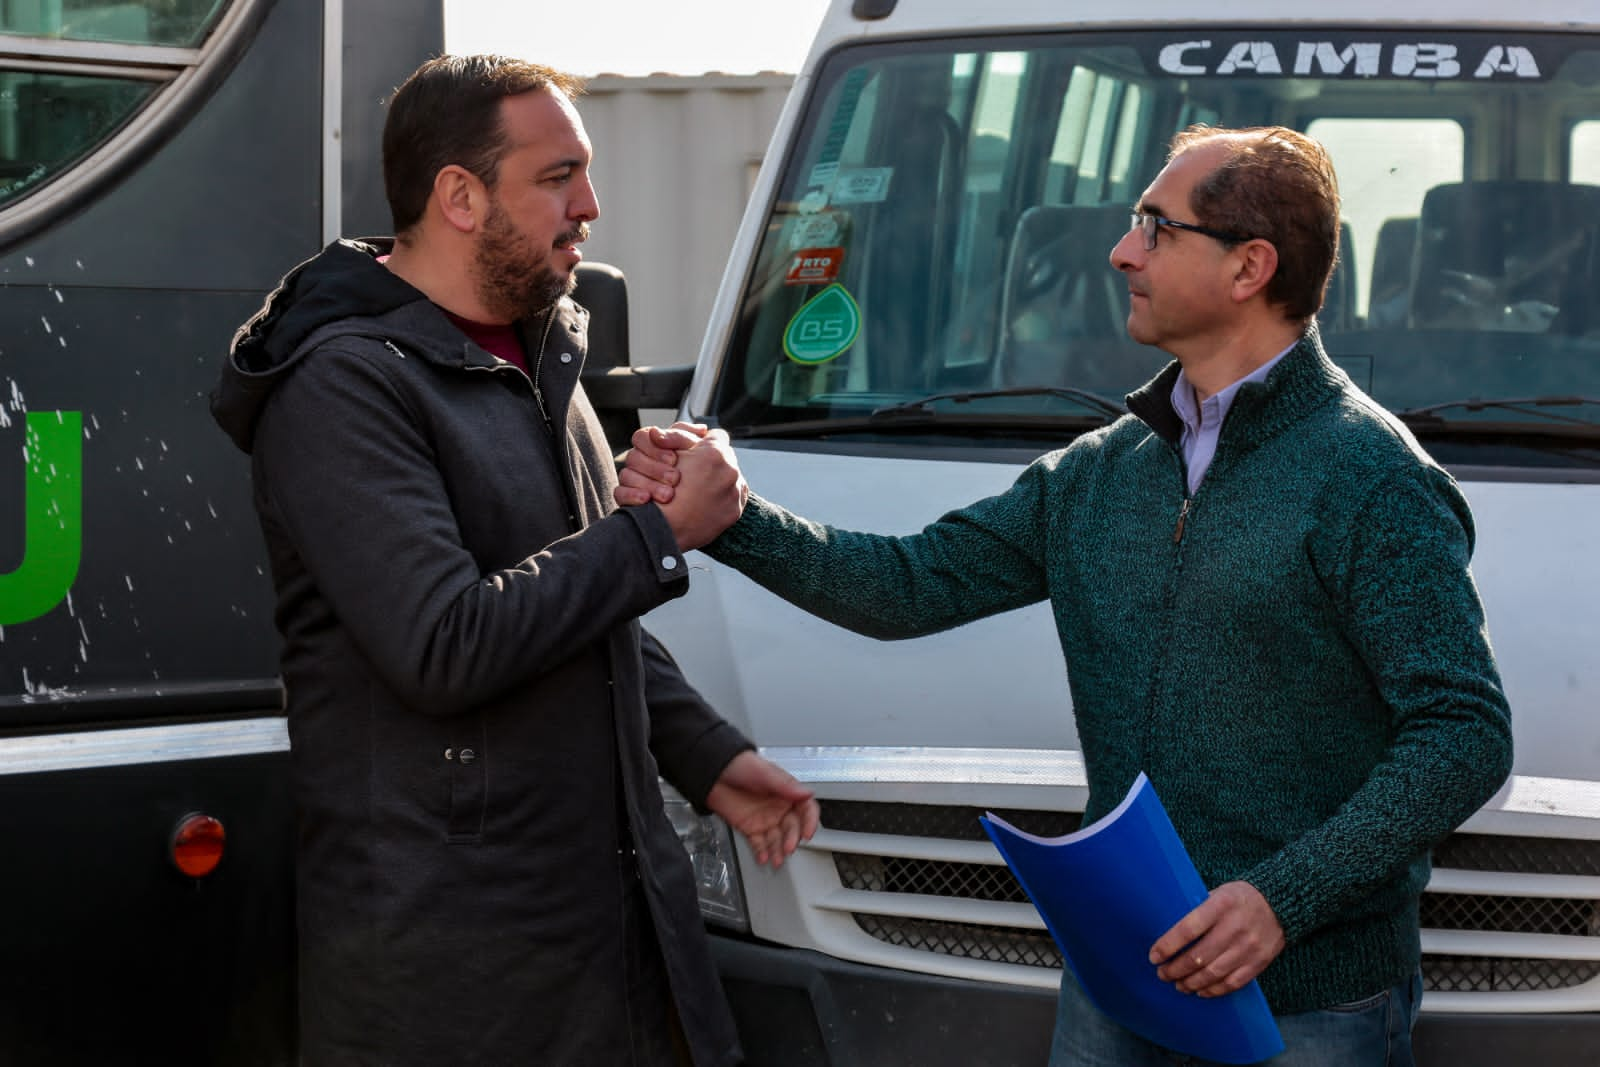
(616, 388)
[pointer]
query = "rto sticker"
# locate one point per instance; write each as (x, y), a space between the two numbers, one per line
(814, 266)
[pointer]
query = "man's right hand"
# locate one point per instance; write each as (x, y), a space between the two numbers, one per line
(707, 492)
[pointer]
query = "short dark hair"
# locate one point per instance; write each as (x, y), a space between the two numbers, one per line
(1278, 184)
(447, 112)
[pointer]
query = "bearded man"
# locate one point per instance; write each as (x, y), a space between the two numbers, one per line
(485, 870)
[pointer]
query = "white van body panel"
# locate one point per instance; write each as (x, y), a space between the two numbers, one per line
(786, 685)
(792, 680)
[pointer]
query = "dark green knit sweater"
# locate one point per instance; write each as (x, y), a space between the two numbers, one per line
(1296, 656)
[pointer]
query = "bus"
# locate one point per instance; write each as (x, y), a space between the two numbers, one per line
(162, 163)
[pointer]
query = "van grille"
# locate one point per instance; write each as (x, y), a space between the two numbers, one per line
(1566, 916)
(1030, 948)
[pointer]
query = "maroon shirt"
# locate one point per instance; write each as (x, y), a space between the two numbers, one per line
(499, 341)
(496, 340)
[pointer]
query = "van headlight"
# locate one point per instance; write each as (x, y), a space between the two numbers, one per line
(716, 868)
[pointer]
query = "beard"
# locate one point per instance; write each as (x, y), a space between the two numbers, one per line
(515, 279)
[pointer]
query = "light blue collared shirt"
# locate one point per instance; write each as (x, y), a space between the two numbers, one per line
(1202, 423)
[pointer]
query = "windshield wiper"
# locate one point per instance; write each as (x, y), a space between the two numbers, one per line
(921, 412)
(923, 405)
(943, 421)
(1430, 414)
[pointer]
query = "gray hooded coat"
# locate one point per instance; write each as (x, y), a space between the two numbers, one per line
(477, 719)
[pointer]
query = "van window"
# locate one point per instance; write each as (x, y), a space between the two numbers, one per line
(1585, 152)
(1386, 166)
(1096, 137)
(945, 223)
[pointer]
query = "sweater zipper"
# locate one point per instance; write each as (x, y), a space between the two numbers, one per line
(1183, 515)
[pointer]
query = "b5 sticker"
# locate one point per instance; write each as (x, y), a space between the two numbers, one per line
(824, 327)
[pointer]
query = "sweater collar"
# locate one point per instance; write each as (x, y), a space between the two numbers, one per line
(1303, 381)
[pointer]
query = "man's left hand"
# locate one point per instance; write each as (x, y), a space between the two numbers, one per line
(763, 802)
(1221, 945)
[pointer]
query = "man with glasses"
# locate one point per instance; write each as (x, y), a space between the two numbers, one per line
(1262, 589)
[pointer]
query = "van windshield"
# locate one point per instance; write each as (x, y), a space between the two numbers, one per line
(936, 256)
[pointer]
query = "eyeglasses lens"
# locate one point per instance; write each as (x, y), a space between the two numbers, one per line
(1147, 226)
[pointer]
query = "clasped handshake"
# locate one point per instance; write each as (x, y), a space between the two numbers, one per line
(691, 473)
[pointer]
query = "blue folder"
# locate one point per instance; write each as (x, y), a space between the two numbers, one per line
(1107, 893)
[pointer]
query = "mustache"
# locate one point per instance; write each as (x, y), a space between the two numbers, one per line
(574, 236)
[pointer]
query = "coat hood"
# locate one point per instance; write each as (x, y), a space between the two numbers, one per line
(341, 290)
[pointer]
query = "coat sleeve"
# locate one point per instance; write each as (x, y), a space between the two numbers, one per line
(360, 517)
(1398, 571)
(691, 742)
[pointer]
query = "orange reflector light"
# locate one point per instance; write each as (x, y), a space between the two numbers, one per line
(197, 845)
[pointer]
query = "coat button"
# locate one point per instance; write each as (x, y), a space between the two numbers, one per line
(449, 753)
(467, 755)
(669, 563)
(566, 357)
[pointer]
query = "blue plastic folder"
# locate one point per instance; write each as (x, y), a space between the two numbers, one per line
(1107, 893)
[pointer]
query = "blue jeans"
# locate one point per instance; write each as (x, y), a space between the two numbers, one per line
(1375, 1032)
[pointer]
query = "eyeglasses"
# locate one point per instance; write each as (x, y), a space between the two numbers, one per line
(1150, 226)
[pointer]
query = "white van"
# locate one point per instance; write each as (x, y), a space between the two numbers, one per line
(919, 303)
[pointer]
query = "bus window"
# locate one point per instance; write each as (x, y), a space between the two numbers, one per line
(161, 22)
(77, 71)
(49, 120)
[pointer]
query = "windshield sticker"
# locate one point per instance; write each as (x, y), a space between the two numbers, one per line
(822, 175)
(814, 266)
(826, 168)
(1324, 58)
(813, 202)
(814, 231)
(869, 185)
(823, 328)
(843, 115)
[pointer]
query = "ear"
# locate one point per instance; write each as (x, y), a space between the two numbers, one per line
(461, 198)
(1258, 262)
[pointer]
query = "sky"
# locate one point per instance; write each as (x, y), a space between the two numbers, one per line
(635, 37)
